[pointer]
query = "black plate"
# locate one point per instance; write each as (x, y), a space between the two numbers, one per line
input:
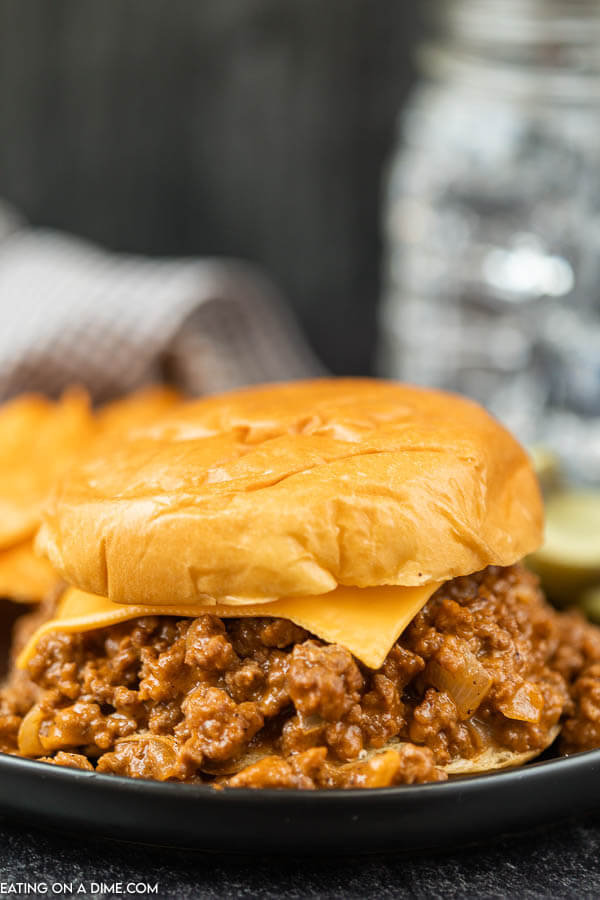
(419, 816)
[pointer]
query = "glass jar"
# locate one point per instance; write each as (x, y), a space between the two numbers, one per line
(492, 220)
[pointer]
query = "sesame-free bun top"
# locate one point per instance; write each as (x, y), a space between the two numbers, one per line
(289, 490)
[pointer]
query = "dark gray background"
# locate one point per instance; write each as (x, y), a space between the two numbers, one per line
(255, 128)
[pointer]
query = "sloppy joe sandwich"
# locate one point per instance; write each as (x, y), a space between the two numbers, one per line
(308, 585)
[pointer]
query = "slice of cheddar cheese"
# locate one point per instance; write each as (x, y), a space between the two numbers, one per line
(367, 621)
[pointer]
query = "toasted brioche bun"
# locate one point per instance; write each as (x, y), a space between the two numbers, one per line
(290, 490)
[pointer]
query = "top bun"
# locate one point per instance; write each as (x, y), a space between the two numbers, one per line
(289, 490)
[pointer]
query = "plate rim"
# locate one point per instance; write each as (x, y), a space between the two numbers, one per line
(465, 810)
(571, 763)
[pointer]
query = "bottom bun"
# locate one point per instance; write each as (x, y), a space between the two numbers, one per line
(378, 768)
(494, 758)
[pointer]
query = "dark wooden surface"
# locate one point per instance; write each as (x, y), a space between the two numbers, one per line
(255, 128)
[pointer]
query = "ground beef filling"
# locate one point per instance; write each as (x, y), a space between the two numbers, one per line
(262, 703)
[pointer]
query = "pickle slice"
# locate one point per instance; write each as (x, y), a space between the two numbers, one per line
(590, 603)
(569, 560)
(547, 467)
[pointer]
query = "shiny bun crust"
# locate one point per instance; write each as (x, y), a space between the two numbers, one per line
(291, 489)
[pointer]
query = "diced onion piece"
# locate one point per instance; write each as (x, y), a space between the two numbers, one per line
(458, 672)
(525, 705)
(378, 771)
(29, 733)
(157, 750)
(155, 743)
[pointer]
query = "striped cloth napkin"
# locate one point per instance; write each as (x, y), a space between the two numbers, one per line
(71, 312)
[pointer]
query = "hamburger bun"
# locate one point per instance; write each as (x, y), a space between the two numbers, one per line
(291, 490)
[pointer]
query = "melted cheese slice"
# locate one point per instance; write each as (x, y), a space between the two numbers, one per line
(367, 621)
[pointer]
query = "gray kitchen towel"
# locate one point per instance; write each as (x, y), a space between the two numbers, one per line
(71, 312)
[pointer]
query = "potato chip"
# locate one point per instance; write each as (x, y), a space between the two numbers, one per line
(24, 576)
(39, 438)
